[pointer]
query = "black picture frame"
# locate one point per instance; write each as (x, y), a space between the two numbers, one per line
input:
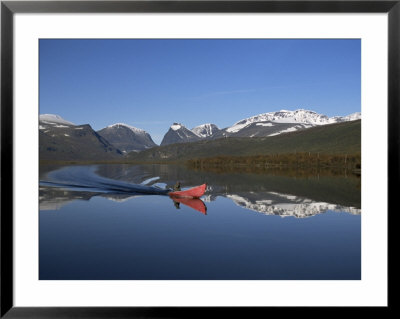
(9, 8)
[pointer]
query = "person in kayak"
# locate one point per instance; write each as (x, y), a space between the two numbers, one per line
(177, 186)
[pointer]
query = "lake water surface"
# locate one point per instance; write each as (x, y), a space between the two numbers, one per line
(96, 223)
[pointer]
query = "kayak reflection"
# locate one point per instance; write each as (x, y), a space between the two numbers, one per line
(194, 203)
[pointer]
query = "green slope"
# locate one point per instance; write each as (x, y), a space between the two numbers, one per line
(341, 138)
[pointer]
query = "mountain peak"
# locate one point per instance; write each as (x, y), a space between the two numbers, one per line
(205, 130)
(132, 128)
(178, 133)
(53, 118)
(176, 126)
(206, 125)
(127, 138)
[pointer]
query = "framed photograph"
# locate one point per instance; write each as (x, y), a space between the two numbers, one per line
(186, 158)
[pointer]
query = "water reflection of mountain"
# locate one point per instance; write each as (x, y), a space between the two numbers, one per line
(267, 194)
(51, 198)
(287, 205)
(340, 190)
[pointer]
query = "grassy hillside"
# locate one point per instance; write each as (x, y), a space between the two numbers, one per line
(334, 139)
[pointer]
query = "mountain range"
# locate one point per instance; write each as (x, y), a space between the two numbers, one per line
(262, 125)
(63, 140)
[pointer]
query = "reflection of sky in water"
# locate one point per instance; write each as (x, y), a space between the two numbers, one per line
(92, 234)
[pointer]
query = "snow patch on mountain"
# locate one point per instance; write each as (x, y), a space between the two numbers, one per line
(181, 130)
(132, 128)
(352, 117)
(182, 134)
(237, 127)
(205, 130)
(265, 124)
(176, 126)
(53, 118)
(290, 129)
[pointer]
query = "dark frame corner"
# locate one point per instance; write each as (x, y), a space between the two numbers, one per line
(9, 8)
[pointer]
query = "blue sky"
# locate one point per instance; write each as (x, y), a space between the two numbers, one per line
(150, 84)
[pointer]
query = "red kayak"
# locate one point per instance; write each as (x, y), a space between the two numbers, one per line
(194, 192)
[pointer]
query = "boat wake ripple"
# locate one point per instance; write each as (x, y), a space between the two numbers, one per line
(80, 178)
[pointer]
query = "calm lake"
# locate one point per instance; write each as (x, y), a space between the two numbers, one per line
(269, 226)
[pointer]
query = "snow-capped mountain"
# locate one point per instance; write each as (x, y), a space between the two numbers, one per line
(53, 118)
(62, 140)
(127, 138)
(178, 133)
(205, 130)
(350, 117)
(284, 121)
(299, 116)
